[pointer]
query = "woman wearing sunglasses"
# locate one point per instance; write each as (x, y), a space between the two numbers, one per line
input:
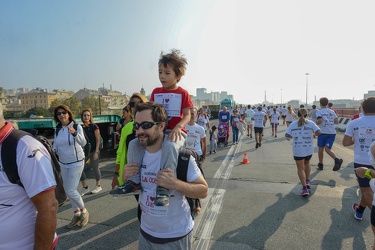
(68, 142)
(92, 133)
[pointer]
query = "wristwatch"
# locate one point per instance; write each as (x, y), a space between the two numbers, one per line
(368, 173)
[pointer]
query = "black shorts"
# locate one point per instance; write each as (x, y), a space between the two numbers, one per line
(283, 116)
(362, 182)
(258, 130)
(306, 158)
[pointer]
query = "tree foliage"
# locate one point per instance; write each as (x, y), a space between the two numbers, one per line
(38, 111)
(92, 102)
(74, 104)
(53, 105)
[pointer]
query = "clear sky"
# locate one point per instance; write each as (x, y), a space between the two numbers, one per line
(245, 47)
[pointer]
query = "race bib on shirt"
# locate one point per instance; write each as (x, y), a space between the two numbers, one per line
(171, 102)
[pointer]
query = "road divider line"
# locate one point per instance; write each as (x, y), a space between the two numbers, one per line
(215, 199)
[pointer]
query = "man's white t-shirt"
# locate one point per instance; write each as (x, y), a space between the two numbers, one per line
(249, 115)
(328, 124)
(258, 119)
(303, 139)
(275, 118)
(363, 132)
(164, 222)
(193, 138)
(17, 212)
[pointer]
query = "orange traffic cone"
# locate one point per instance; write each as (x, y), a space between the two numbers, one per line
(245, 160)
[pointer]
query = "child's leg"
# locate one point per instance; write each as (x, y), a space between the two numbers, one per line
(170, 150)
(135, 155)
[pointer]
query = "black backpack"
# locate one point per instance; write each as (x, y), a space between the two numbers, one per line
(86, 148)
(8, 157)
(182, 169)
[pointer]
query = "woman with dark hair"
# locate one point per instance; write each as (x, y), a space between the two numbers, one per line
(92, 133)
(68, 142)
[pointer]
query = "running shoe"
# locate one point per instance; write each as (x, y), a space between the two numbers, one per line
(96, 190)
(320, 166)
(84, 219)
(338, 163)
(357, 214)
(74, 222)
(128, 188)
(256, 145)
(85, 191)
(308, 184)
(305, 192)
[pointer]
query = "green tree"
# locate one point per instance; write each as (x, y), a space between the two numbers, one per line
(92, 102)
(74, 104)
(37, 111)
(53, 105)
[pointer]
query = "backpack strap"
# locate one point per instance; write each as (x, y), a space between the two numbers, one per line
(9, 155)
(57, 129)
(183, 164)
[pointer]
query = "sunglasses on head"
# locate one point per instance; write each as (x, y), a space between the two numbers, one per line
(132, 104)
(63, 112)
(145, 125)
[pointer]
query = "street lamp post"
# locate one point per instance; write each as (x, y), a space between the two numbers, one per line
(100, 105)
(307, 82)
(281, 96)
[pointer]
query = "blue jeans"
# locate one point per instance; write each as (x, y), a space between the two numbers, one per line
(71, 178)
(235, 134)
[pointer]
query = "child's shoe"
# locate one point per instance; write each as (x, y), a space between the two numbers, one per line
(162, 197)
(128, 188)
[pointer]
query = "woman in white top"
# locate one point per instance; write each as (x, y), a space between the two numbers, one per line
(203, 120)
(303, 131)
(68, 142)
(290, 116)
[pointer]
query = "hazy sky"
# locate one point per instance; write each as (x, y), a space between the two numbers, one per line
(244, 47)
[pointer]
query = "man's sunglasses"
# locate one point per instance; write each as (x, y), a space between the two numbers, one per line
(145, 125)
(132, 104)
(63, 112)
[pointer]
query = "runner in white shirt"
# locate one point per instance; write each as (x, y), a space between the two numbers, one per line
(275, 121)
(249, 120)
(196, 136)
(303, 131)
(28, 213)
(361, 133)
(259, 119)
(203, 120)
(327, 119)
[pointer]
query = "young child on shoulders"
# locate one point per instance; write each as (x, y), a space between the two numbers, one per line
(177, 103)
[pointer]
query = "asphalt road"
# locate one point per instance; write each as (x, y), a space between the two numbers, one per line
(250, 206)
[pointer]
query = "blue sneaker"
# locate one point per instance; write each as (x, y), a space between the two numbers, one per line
(357, 214)
(128, 188)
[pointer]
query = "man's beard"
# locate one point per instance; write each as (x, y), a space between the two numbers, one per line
(151, 139)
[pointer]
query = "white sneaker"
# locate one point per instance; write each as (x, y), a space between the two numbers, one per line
(85, 191)
(96, 190)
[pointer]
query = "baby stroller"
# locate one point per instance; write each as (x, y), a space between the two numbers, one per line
(223, 133)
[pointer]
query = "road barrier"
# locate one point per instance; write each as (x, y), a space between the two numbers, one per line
(343, 122)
